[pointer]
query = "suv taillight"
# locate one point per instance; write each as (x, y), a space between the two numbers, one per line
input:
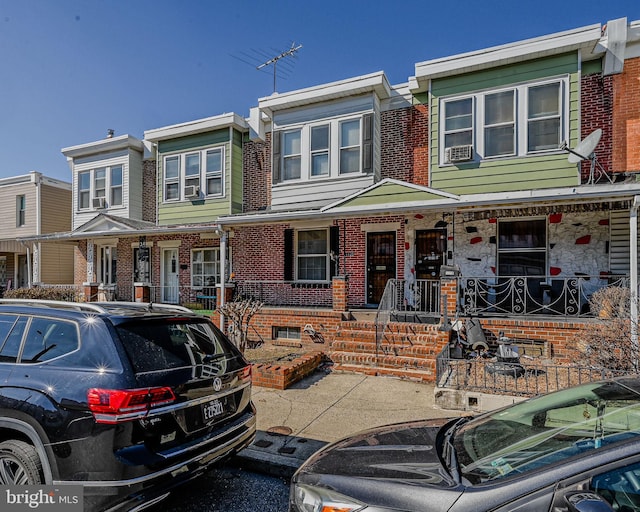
(118, 405)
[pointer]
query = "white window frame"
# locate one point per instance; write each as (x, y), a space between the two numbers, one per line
(199, 180)
(333, 151)
(326, 255)
(100, 187)
(521, 102)
(204, 275)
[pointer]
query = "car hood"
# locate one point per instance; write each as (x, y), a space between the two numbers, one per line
(405, 452)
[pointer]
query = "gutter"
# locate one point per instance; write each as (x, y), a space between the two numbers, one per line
(633, 246)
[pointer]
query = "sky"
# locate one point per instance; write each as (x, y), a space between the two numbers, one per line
(70, 70)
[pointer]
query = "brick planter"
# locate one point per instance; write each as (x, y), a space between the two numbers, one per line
(281, 375)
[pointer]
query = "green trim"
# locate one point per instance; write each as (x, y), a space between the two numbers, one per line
(390, 193)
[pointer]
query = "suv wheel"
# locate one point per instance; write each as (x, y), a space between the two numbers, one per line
(19, 464)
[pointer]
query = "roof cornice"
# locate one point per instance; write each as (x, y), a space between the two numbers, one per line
(198, 126)
(584, 38)
(103, 146)
(373, 83)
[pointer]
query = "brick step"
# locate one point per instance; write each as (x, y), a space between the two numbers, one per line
(410, 349)
(384, 360)
(415, 375)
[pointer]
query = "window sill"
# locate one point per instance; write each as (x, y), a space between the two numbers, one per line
(321, 179)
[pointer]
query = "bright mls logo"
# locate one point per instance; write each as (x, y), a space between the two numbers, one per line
(67, 498)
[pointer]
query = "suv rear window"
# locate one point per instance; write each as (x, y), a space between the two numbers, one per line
(169, 343)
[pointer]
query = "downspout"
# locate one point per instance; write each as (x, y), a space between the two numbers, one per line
(223, 273)
(633, 246)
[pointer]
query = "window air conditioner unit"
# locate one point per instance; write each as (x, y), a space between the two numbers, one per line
(191, 191)
(458, 154)
(99, 202)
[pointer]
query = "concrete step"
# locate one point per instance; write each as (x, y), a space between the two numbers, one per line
(403, 373)
(404, 348)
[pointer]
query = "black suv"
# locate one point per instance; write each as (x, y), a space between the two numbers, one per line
(128, 400)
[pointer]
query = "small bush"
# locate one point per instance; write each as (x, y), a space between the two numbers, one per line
(67, 294)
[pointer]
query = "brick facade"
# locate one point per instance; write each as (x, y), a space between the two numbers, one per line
(626, 117)
(149, 191)
(596, 108)
(256, 162)
(405, 144)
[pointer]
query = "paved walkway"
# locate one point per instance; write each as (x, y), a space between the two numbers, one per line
(324, 407)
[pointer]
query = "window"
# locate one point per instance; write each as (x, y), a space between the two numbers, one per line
(107, 264)
(291, 155)
(21, 210)
(312, 255)
(340, 147)
(516, 121)
(12, 331)
(205, 267)
(47, 339)
(522, 248)
(499, 124)
(214, 172)
(320, 150)
(100, 182)
(543, 123)
(193, 175)
(101, 187)
(84, 190)
(288, 333)
(115, 195)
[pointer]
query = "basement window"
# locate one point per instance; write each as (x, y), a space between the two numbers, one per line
(287, 333)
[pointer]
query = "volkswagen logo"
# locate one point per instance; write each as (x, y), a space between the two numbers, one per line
(217, 384)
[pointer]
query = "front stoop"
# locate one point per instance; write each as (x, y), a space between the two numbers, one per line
(406, 350)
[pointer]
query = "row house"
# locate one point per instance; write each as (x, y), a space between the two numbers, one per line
(499, 184)
(33, 205)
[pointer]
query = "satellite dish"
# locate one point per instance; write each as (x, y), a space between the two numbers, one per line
(585, 148)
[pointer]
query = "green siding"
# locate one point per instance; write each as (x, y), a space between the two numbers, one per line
(390, 193)
(507, 174)
(202, 210)
(591, 67)
(199, 140)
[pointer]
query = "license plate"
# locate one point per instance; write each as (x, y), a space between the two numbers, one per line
(212, 410)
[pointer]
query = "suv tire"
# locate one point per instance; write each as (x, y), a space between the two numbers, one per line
(19, 464)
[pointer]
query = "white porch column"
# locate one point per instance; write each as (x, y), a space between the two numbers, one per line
(36, 264)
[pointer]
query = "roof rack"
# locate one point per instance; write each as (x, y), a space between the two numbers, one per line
(78, 306)
(147, 306)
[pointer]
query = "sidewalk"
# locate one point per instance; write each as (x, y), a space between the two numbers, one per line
(295, 422)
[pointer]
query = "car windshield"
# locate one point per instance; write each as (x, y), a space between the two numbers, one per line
(547, 429)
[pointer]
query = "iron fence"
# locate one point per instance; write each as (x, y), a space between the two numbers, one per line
(532, 295)
(287, 293)
(528, 377)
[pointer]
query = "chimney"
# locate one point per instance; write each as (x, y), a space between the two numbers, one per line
(110, 133)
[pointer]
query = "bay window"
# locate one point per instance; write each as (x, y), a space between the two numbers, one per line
(101, 187)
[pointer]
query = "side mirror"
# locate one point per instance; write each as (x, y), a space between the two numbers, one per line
(586, 501)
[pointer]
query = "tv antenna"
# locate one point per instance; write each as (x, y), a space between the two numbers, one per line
(274, 60)
(585, 150)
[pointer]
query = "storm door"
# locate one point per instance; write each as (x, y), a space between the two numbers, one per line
(169, 276)
(381, 264)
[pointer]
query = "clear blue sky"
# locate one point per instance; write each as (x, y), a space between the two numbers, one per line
(71, 69)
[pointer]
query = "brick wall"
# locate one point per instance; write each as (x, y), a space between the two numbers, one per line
(80, 262)
(256, 162)
(404, 144)
(282, 375)
(596, 110)
(149, 192)
(626, 118)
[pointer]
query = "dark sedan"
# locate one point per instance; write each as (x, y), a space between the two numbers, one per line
(574, 450)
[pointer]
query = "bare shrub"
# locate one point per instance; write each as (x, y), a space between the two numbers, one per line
(607, 343)
(64, 293)
(239, 314)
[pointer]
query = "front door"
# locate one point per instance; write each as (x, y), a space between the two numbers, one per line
(381, 264)
(169, 282)
(22, 277)
(430, 246)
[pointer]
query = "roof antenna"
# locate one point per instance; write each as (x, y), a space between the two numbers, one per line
(274, 60)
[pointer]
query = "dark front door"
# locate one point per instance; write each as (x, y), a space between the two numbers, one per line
(381, 264)
(430, 246)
